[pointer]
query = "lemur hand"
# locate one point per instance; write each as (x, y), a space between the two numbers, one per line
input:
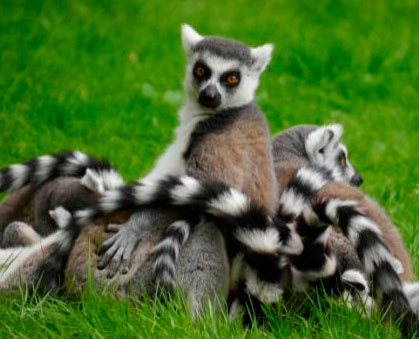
(116, 251)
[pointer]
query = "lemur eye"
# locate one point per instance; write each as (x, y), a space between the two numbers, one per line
(199, 71)
(342, 160)
(231, 79)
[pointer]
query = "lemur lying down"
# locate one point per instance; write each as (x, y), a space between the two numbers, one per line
(289, 147)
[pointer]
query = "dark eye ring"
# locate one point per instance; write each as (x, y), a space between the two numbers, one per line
(342, 160)
(231, 78)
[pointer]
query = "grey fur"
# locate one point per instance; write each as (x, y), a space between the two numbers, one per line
(225, 48)
(289, 145)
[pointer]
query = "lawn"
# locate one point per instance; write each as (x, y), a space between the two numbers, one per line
(106, 77)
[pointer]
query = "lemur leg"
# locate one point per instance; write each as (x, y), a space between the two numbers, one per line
(19, 233)
(116, 251)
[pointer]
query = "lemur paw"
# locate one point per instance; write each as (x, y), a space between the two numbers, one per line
(116, 251)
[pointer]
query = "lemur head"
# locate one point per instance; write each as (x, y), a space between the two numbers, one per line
(324, 147)
(221, 73)
(321, 145)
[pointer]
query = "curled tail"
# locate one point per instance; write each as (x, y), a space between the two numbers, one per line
(259, 237)
(377, 260)
(47, 167)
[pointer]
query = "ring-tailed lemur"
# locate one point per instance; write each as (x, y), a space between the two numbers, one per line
(288, 149)
(321, 203)
(297, 148)
(217, 200)
(222, 143)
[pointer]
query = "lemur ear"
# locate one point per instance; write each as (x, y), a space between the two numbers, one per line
(190, 38)
(261, 56)
(320, 139)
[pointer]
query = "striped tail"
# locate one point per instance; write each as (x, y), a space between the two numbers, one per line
(167, 251)
(261, 239)
(377, 260)
(48, 167)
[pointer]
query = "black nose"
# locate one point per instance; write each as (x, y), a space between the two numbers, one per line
(356, 180)
(210, 97)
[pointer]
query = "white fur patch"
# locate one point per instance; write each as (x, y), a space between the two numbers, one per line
(190, 37)
(291, 202)
(262, 241)
(311, 177)
(112, 180)
(44, 166)
(182, 194)
(322, 239)
(74, 162)
(261, 56)
(359, 224)
(145, 191)
(83, 217)
(411, 290)
(19, 174)
(110, 201)
(93, 181)
(332, 208)
(293, 245)
(264, 291)
(183, 227)
(167, 243)
(164, 260)
(323, 138)
(231, 203)
(61, 216)
(354, 277)
(311, 218)
(374, 255)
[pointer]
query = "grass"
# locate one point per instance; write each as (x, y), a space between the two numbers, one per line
(106, 77)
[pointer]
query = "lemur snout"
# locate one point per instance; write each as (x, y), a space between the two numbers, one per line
(210, 97)
(357, 180)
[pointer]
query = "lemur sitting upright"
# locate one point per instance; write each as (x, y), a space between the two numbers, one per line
(294, 149)
(222, 144)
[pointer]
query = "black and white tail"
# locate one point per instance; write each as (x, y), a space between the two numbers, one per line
(260, 238)
(168, 248)
(167, 251)
(47, 167)
(377, 260)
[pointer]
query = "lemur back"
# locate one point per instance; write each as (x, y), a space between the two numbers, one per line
(310, 200)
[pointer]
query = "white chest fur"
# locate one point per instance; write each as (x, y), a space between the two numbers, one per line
(171, 162)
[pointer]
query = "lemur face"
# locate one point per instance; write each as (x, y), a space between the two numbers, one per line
(221, 73)
(324, 147)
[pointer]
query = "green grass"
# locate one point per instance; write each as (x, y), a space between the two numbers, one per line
(106, 77)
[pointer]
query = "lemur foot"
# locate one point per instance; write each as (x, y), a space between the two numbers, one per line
(19, 233)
